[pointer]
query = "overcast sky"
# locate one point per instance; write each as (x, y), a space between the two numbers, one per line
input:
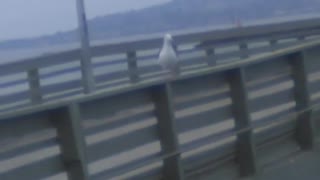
(29, 18)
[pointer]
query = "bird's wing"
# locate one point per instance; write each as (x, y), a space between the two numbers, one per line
(168, 56)
(175, 48)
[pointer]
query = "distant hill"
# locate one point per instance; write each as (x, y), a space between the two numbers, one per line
(175, 15)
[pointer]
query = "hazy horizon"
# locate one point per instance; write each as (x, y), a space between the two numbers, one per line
(37, 13)
(37, 18)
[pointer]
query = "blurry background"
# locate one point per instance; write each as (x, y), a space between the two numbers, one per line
(41, 26)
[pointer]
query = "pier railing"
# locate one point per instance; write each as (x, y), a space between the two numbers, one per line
(234, 114)
(56, 76)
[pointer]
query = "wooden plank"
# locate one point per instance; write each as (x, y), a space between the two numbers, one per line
(15, 97)
(250, 52)
(271, 100)
(250, 38)
(135, 165)
(106, 107)
(149, 68)
(209, 157)
(199, 85)
(199, 98)
(60, 96)
(13, 82)
(273, 118)
(22, 149)
(267, 82)
(268, 69)
(40, 61)
(67, 121)
(164, 110)
(34, 86)
(120, 121)
(203, 119)
(62, 86)
(210, 139)
(305, 129)
(246, 153)
(122, 143)
(86, 66)
(38, 170)
(27, 124)
(104, 78)
(133, 66)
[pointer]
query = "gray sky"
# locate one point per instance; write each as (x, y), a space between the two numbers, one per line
(29, 18)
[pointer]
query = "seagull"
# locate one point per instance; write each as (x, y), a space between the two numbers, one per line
(168, 58)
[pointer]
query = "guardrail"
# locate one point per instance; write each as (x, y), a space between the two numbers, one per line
(57, 76)
(175, 129)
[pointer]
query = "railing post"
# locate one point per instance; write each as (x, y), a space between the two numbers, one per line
(172, 167)
(86, 65)
(34, 86)
(246, 153)
(211, 61)
(244, 53)
(273, 44)
(67, 121)
(305, 128)
(133, 66)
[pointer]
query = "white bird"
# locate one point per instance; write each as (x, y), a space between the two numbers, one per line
(168, 57)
